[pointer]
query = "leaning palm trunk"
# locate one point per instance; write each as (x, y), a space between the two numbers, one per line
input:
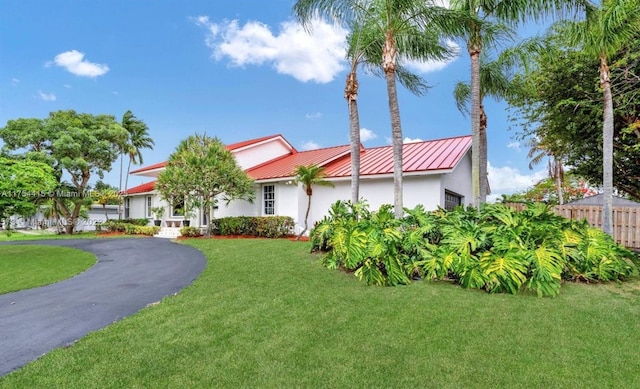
(474, 53)
(306, 215)
(607, 147)
(351, 94)
(389, 57)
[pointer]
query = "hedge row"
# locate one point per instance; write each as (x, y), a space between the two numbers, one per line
(259, 226)
(129, 227)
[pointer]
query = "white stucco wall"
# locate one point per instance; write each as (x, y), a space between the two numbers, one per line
(459, 181)
(256, 155)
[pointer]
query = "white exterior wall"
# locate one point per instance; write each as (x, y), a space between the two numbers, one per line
(255, 155)
(459, 181)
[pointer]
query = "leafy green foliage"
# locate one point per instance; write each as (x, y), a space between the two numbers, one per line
(131, 227)
(81, 145)
(22, 184)
(260, 226)
(200, 170)
(191, 232)
(496, 248)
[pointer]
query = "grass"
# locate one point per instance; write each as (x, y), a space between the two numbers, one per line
(24, 267)
(266, 314)
(40, 235)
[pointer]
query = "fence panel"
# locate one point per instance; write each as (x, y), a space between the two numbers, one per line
(626, 220)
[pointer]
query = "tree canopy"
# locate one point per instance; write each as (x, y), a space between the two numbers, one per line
(563, 83)
(78, 144)
(200, 171)
(23, 183)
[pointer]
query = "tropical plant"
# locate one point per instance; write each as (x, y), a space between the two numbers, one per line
(495, 248)
(604, 32)
(138, 139)
(201, 170)
(158, 212)
(310, 176)
(104, 197)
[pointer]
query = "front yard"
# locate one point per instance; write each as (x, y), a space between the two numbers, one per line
(265, 313)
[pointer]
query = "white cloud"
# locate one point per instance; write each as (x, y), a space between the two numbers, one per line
(67, 86)
(74, 62)
(46, 96)
(367, 135)
(115, 92)
(316, 57)
(514, 145)
(508, 180)
(309, 145)
(410, 140)
(311, 116)
(15, 81)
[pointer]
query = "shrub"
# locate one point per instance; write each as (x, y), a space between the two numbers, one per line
(129, 228)
(496, 248)
(259, 226)
(136, 222)
(190, 232)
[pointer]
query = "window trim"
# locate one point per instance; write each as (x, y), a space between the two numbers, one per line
(272, 206)
(147, 204)
(460, 198)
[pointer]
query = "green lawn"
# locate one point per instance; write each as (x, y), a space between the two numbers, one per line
(24, 267)
(265, 314)
(39, 235)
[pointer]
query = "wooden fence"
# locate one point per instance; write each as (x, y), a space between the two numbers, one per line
(626, 220)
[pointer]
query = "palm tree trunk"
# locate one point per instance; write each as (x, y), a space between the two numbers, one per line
(126, 178)
(558, 175)
(389, 57)
(484, 187)
(306, 217)
(607, 147)
(120, 186)
(351, 94)
(474, 53)
(104, 208)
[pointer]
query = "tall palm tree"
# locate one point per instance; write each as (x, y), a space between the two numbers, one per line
(407, 29)
(138, 139)
(601, 35)
(493, 83)
(485, 25)
(310, 176)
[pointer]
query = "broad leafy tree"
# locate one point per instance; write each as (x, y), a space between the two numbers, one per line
(75, 145)
(310, 176)
(200, 171)
(23, 184)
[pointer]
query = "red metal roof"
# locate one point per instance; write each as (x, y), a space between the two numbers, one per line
(285, 166)
(440, 154)
(146, 187)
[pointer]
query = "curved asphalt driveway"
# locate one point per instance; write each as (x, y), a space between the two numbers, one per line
(129, 274)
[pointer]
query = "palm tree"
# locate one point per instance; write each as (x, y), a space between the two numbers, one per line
(310, 176)
(601, 35)
(407, 29)
(493, 83)
(538, 150)
(486, 24)
(138, 139)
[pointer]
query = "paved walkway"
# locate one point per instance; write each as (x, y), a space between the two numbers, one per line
(129, 275)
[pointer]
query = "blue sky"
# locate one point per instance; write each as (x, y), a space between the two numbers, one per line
(233, 69)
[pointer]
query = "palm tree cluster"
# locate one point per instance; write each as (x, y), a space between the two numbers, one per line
(386, 33)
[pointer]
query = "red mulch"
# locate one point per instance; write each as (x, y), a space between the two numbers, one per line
(292, 238)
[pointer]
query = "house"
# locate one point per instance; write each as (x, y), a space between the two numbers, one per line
(437, 173)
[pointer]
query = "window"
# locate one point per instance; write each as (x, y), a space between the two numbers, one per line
(127, 204)
(148, 206)
(451, 200)
(269, 199)
(177, 208)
